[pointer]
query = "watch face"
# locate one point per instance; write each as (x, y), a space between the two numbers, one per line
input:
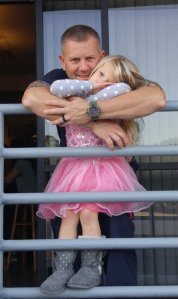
(93, 111)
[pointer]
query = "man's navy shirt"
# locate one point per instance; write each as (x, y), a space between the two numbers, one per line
(57, 74)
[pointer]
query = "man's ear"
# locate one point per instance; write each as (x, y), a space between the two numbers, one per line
(62, 61)
(102, 54)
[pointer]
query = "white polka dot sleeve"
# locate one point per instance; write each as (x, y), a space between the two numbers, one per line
(109, 92)
(67, 88)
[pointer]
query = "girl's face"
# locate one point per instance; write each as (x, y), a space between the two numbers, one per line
(105, 73)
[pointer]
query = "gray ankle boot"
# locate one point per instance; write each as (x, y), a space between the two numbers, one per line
(90, 273)
(56, 282)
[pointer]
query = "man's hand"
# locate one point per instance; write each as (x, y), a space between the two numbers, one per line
(41, 102)
(74, 110)
(110, 132)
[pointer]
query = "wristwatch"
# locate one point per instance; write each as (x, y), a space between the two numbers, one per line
(93, 110)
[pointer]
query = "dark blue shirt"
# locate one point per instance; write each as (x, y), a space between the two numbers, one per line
(57, 74)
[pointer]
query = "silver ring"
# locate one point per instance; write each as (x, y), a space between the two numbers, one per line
(63, 117)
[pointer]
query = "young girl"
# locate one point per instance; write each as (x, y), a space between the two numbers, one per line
(91, 174)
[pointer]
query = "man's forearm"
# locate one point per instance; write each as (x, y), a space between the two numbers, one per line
(36, 100)
(135, 104)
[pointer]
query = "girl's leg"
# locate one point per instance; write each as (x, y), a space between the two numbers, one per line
(90, 273)
(64, 259)
(90, 223)
(69, 224)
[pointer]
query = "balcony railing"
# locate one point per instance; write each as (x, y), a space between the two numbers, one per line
(125, 243)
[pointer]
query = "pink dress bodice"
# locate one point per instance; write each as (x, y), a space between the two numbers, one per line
(80, 136)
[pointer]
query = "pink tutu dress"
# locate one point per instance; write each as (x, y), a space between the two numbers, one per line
(96, 174)
(104, 174)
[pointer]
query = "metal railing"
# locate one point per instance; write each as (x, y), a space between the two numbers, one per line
(125, 243)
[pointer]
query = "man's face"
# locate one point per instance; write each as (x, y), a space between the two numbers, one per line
(80, 58)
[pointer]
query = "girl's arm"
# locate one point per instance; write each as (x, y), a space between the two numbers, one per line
(111, 91)
(67, 88)
(82, 88)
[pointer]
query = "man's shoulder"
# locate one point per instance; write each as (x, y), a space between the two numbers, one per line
(56, 74)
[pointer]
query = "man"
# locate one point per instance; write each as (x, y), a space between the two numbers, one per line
(81, 52)
(79, 57)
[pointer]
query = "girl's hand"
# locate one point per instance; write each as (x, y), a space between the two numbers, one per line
(109, 131)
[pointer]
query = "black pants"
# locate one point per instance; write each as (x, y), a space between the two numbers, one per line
(120, 265)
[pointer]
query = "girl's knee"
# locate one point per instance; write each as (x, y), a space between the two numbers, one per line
(70, 213)
(89, 223)
(71, 216)
(87, 216)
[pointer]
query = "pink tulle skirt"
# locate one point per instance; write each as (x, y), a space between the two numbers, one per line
(106, 174)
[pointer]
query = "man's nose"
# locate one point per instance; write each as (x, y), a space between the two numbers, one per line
(84, 65)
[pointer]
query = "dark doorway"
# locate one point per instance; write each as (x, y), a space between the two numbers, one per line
(18, 62)
(17, 70)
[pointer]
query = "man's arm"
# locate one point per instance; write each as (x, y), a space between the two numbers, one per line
(135, 104)
(138, 103)
(37, 99)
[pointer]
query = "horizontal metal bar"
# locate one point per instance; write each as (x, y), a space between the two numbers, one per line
(42, 152)
(20, 109)
(104, 243)
(14, 109)
(98, 292)
(171, 106)
(30, 198)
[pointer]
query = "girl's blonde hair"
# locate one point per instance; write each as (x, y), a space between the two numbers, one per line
(125, 71)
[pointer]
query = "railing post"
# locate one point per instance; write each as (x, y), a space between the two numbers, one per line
(41, 257)
(1, 191)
